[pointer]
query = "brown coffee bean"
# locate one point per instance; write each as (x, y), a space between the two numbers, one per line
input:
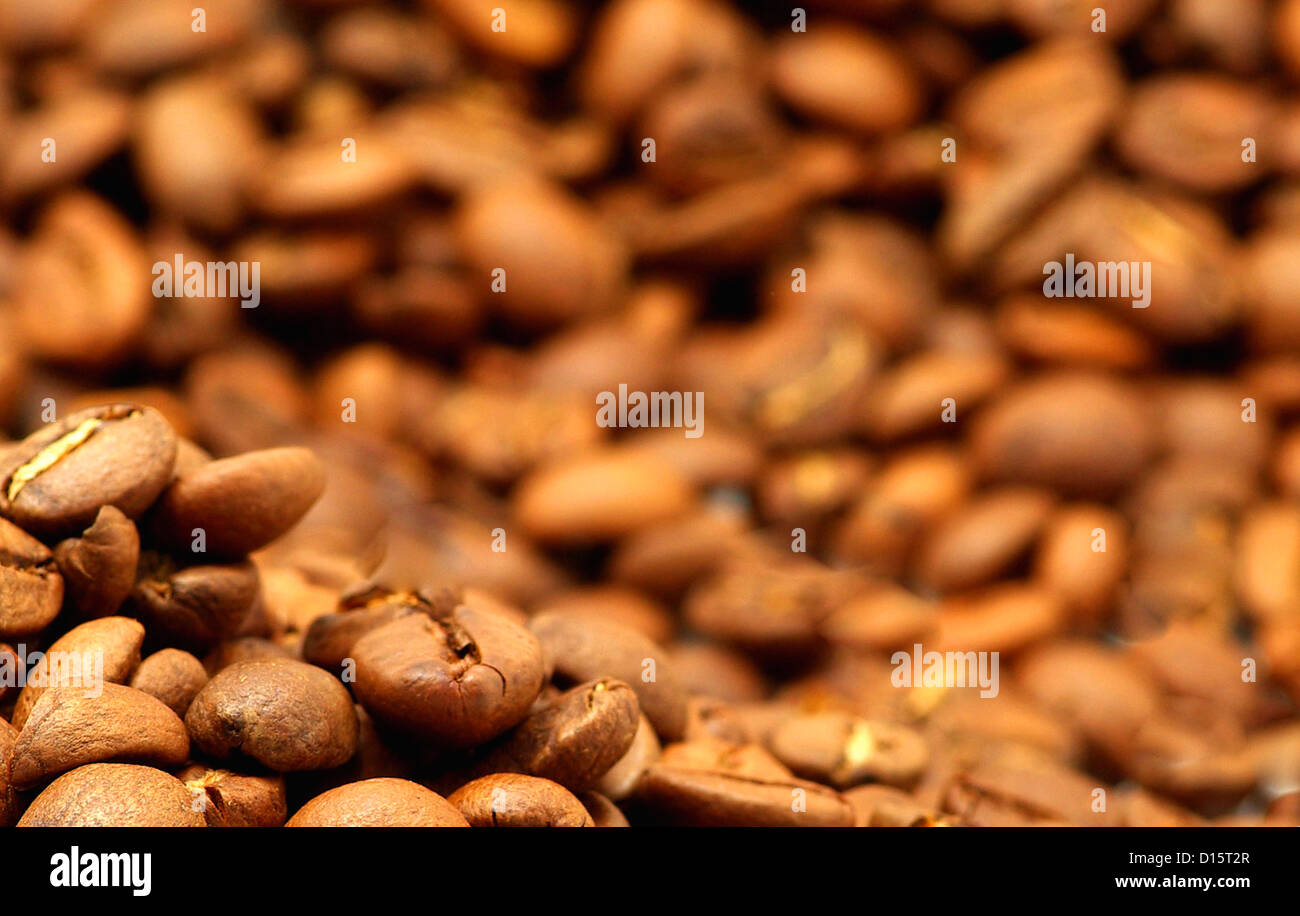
(114, 795)
(193, 605)
(235, 800)
(31, 589)
(604, 813)
(284, 714)
(701, 797)
(818, 74)
(1189, 128)
(57, 479)
(69, 727)
(81, 291)
(842, 750)
(1079, 433)
(575, 739)
(1098, 689)
(457, 675)
(599, 496)
(173, 676)
(330, 637)
(378, 803)
(909, 398)
(910, 493)
(240, 504)
(881, 619)
(538, 233)
(1006, 796)
(582, 649)
(1071, 335)
(885, 806)
(1004, 618)
(620, 780)
(1082, 557)
(9, 801)
(113, 644)
(198, 146)
(717, 671)
(98, 567)
(88, 123)
(515, 800)
(982, 539)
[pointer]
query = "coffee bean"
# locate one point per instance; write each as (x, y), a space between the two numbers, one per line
(330, 638)
(98, 567)
(515, 800)
(282, 713)
(582, 649)
(57, 479)
(700, 796)
(194, 605)
(983, 539)
(1046, 432)
(69, 727)
(235, 800)
(173, 676)
(620, 780)
(456, 675)
(604, 813)
(31, 589)
(842, 750)
(113, 642)
(599, 496)
(378, 803)
(10, 807)
(243, 503)
(575, 739)
(114, 795)
(81, 297)
(885, 806)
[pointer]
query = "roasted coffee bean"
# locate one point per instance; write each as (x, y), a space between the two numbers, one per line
(98, 567)
(604, 813)
(575, 739)
(378, 803)
(582, 649)
(515, 800)
(31, 589)
(110, 644)
(885, 806)
(700, 796)
(620, 780)
(56, 480)
(454, 674)
(284, 714)
(235, 800)
(194, 605)
(69, 727)
(330, 637)
(599, 496)
(9, 802)
(173, 676)
(113, 795)
(842, 750)
(237, 505)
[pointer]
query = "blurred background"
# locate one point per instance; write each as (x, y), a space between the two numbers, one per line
(470, 218)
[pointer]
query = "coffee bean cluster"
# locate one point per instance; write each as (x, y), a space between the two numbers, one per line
(351, 548)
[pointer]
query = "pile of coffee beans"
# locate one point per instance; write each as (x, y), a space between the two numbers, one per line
(568, 413)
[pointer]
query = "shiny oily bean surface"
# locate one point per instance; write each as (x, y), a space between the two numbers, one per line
(56, 480)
